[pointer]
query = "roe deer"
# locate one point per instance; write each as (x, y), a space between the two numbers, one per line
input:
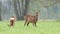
(31, 19)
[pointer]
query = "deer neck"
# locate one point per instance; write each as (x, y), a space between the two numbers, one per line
(36, 16)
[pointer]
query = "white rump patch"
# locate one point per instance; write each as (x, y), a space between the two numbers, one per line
(11, 18)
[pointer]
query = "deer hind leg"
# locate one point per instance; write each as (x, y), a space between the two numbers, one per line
(11, 22)
(25, 22)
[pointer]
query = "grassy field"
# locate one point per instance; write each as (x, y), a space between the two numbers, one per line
(43, 27)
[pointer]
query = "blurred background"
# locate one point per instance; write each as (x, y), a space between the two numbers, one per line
(49, 9)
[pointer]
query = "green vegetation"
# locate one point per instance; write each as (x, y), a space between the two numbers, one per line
(43, 27)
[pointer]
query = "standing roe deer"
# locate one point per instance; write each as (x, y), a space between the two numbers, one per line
(31, 19)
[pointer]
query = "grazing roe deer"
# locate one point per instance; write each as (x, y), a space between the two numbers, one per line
(31, 19)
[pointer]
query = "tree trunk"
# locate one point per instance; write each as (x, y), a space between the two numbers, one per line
(16, 10)
(0, 11)
(19, 7)
(22, 16)
(20, 12)
(26, 6)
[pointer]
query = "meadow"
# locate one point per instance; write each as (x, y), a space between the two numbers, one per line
(43, 27)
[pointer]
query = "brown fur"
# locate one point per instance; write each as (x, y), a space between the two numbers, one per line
(12, 21)
(31, 19)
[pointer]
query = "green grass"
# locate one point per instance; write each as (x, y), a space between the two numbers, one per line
(43, 27)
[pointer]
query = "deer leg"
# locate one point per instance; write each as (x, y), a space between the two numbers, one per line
(11, 22)
(35, 24)
(27, 23)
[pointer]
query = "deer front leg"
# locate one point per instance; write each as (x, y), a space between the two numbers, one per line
(35, 24)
